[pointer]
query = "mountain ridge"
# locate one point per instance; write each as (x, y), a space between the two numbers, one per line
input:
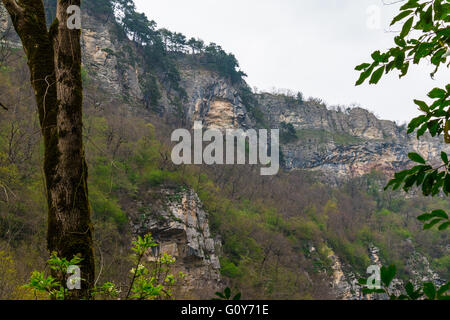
(348, 143)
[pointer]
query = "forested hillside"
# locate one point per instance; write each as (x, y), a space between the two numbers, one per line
(289, 236)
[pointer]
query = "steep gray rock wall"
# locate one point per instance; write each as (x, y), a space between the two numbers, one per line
(111, 62)
(345, 282)
(177, 221)
(343, 144)
(116, 64)
(212, 99)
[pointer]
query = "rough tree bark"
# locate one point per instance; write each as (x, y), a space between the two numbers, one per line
(54, 60)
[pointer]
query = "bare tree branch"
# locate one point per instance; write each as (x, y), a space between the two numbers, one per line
(3, 106)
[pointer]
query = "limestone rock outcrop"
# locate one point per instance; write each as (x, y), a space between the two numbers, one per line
(180, 225)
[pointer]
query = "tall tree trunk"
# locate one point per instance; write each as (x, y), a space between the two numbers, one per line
(54, 60)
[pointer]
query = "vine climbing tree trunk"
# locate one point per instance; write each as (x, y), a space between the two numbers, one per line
(54, 60)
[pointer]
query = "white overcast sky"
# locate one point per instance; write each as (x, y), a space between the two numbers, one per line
(310, 46)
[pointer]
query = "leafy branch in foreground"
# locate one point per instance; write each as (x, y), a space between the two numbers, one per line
(431, 19)
(427, 290)
(431, 39)
(151, 277)
(226, 295)
(425, 34)
(433, 181)
(56, 290)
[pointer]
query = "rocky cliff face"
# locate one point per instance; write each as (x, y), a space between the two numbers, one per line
(177, 221)
(110, 61)
(117, 65)
(342, 144)
(345, 281)
(212, 99)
